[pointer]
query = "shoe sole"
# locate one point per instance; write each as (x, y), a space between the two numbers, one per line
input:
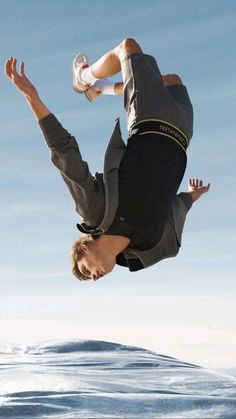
(74, 81)
(90, 94)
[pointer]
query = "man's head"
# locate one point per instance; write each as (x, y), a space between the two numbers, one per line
(90, 258)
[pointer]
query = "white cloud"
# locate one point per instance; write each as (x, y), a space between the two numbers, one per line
(188, 327)
(20, 208)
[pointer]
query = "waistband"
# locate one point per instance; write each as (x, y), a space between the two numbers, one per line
(157, 126)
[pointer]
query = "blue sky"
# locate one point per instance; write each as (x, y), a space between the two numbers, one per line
(184, 306)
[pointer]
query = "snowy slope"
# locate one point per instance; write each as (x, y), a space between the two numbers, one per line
(95, 379)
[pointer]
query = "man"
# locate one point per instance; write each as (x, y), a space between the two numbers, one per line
(131, 213)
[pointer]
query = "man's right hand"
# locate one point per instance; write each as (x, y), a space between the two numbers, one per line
(19, 79)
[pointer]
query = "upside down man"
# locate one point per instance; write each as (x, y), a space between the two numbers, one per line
(132, 214)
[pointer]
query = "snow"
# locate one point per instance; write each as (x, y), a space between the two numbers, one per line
(96, 379)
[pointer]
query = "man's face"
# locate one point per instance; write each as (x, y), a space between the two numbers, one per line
(95, 265)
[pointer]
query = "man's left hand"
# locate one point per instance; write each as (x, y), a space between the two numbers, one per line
(197, 189)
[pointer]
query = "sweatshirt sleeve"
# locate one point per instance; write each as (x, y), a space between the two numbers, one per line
(180, 208)
(66, 156)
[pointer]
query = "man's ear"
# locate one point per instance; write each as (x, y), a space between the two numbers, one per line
(84, 248)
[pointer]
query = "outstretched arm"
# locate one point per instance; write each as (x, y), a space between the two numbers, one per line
(25, 86)
(183, 202)
(86, 190)
(197, 189)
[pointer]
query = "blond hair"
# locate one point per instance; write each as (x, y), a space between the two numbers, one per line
(77, 253)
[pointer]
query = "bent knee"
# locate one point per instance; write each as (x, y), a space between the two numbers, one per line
(128, 43)
(171, 79)
(129, 46)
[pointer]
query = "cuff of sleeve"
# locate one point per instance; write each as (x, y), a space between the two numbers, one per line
(187, 199)
(52, 129)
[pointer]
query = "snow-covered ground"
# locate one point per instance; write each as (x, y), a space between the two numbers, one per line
(95, 379)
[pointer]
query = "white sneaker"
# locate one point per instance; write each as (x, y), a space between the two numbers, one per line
(79, 63)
